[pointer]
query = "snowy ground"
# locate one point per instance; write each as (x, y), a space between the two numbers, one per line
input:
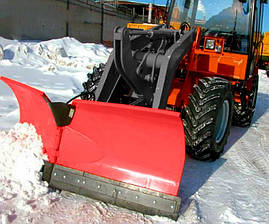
(233, 189)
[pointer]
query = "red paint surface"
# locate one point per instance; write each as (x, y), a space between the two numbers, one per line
(135, 145)
(35, 110)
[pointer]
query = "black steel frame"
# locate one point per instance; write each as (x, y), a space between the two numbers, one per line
(148, 70)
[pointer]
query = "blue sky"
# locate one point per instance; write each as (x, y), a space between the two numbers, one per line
(266, 18)
(216, 7)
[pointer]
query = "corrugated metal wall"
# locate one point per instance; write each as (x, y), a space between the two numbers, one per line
(47, 19)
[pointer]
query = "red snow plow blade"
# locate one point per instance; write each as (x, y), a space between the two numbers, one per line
(126, 155)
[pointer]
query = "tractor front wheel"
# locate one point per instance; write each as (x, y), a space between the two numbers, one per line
(207, 118)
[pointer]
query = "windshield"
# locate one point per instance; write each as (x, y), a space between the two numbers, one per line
(219, 17)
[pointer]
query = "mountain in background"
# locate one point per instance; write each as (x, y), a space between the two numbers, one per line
(225, 20)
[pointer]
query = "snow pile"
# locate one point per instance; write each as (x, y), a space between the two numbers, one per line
(4, 42)
(66, 55)
(57, 67)
(25, 198)
(21, 191)
(1, 52)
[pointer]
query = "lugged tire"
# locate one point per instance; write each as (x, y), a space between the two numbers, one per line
(211, 98)
(242, 117)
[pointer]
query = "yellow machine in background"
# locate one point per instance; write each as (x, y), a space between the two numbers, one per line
(142, 26)
(265, 52)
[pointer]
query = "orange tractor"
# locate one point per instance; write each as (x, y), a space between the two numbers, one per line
(123, 142)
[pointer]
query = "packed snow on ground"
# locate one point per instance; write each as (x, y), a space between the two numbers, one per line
(233, 189)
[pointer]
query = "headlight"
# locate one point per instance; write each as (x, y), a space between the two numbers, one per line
(218, 48)
(210, 44)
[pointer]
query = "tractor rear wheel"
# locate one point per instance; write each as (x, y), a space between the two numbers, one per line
(207, 118)
(242, 116)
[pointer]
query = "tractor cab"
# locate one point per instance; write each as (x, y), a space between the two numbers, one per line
(230, 26)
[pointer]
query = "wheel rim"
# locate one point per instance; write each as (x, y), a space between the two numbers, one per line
(222, 121)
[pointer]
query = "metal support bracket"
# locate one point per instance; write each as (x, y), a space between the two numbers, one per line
(168, 68)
